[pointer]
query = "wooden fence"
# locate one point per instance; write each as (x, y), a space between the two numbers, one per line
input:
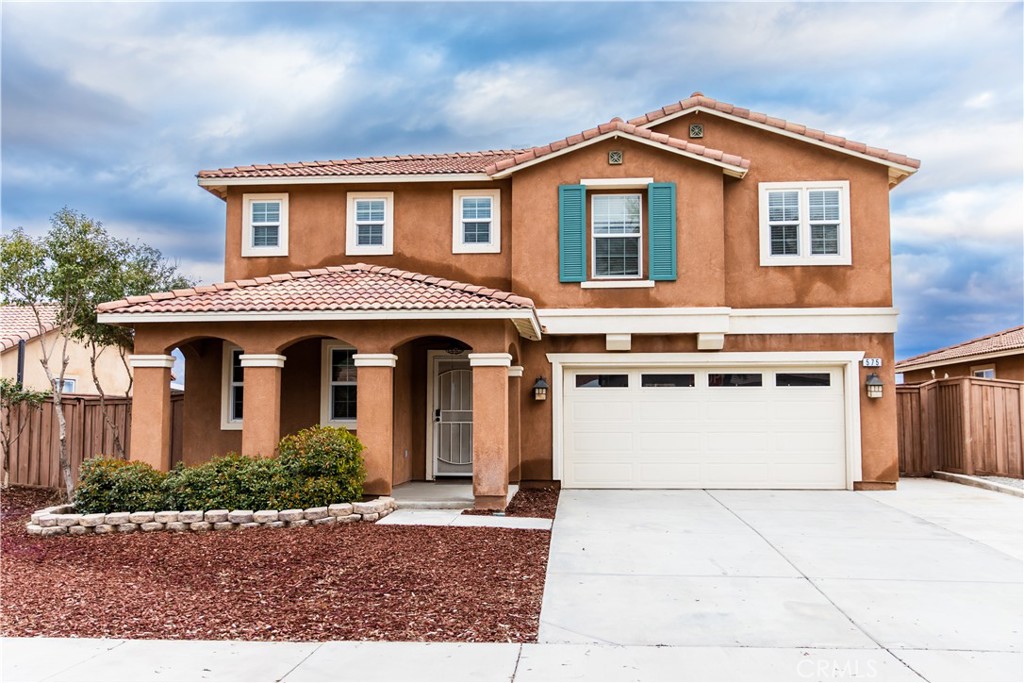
(35, 456)
(964, 425)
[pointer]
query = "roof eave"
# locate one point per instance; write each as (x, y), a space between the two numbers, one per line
(218, 186)
(525, 319)
(908, 366)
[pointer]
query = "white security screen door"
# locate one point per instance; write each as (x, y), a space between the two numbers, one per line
(453, 417)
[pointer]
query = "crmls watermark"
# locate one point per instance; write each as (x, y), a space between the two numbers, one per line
(825, 669)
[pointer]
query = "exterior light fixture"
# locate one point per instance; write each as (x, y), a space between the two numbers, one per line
(874, 386)
(540, 389)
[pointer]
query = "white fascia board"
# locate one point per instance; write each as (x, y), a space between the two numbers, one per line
(634, 320)
(718, 320)
(728, 169)
(724, 359)
(348, 179)
(519, 317)
(813, 320)
(974, 358)
(903, 168)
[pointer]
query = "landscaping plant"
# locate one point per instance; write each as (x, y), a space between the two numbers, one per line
(317, 466)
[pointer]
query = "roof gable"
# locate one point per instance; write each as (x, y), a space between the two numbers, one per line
(731, 164)
(900, 165)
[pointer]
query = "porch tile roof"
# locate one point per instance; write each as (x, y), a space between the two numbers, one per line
(355, 287)
(19, 323)
(1007, 340)
(698, 99)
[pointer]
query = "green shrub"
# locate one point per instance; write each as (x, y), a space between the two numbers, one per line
(326, 463)
(233, 482)
(114, 485)
(317, 466)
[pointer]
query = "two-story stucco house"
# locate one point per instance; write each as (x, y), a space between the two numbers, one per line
(696, 288)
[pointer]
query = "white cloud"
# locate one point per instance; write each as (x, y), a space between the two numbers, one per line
(983, 214)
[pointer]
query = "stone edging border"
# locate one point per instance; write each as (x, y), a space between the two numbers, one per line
(62, 519)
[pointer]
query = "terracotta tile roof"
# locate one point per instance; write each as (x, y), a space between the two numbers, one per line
(1007, 340)
(699, 100)
(357, 287)
(411, 164)
(619, 125)
(19, 322)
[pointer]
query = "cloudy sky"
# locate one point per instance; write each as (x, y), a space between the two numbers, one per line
(111, 108)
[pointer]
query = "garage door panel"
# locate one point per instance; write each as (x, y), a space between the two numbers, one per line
(701, 436)
(662, 474)
(604, 442)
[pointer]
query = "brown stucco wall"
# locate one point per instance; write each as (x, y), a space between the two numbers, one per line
(1007, 367)
(422, 232)
(774, 158)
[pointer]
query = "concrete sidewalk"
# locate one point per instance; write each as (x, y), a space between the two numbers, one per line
(45, 659)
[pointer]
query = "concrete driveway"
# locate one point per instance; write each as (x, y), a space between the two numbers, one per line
(924, 581)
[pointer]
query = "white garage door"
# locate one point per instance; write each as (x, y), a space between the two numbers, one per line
(761, 427)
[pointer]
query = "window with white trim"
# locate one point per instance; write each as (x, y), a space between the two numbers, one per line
(338, 395)
(616, 232)
(68, 385)
(805, 224)
(476, 222)
(984, 371)
(232, 390)
(264, 225)
(370, 223)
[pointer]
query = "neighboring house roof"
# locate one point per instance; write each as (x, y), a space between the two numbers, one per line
(1006, 343)
(733, 164)
(350, 292)
(698, 102)
(19, 323)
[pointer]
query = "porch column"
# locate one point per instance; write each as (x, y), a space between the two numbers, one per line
(151, 409)
(515, 375)
(375, 417)
(261, 421)
(490, 429)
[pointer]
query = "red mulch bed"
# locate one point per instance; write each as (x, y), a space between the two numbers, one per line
(528, 503)
(347, 582)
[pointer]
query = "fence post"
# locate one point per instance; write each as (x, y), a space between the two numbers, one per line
(966, 422)
(930, 457)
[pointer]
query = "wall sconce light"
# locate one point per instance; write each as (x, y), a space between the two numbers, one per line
(540, 389)
(874, 386)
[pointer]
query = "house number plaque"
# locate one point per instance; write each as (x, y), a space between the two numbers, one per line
(872, 362)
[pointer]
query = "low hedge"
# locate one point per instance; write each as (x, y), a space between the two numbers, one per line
(317, 466)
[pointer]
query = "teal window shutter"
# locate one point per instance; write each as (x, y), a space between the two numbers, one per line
(661, 221)
(572, 233)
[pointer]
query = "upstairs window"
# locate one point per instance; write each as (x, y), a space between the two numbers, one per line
(616, 229)
(476, 224)
(370, 226)
(265, 225)
(805, 223)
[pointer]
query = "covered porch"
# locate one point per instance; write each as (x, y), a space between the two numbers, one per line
(425, 371)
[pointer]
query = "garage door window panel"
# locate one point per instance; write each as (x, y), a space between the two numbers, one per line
(608, 381)
(803, 379)
(667, 380)
(734, 379)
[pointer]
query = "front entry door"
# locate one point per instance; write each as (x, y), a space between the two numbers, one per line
(453, 417)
